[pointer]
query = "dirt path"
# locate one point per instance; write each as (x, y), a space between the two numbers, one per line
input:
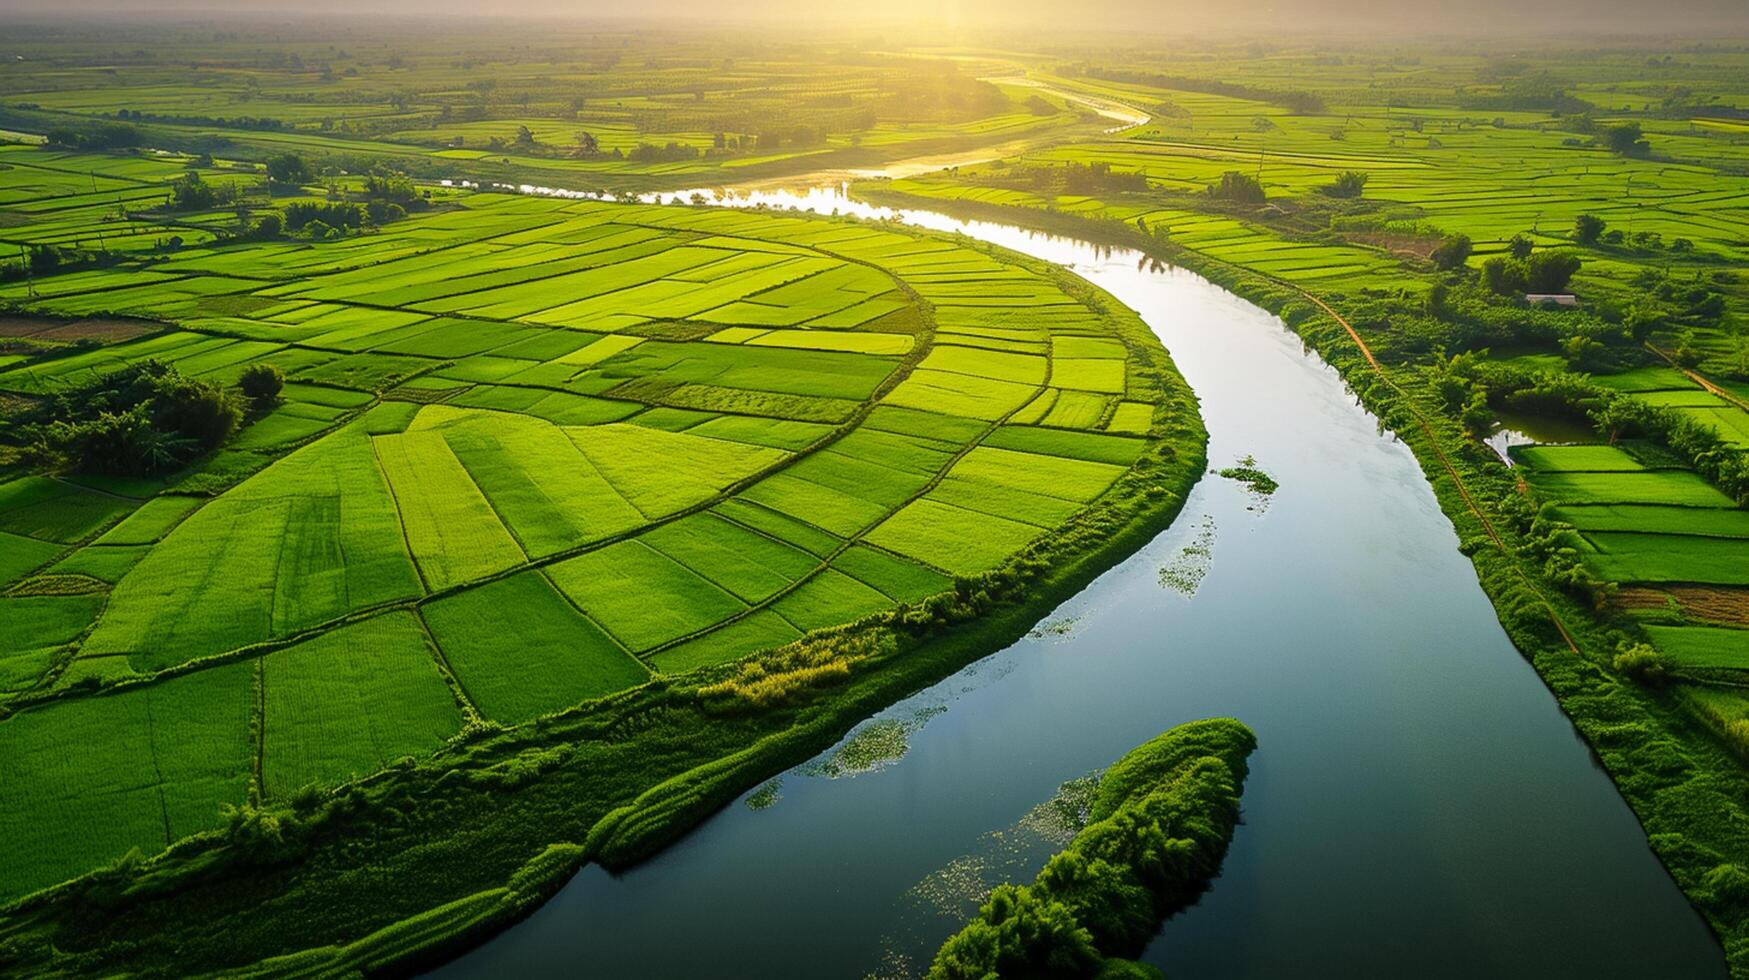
(1698, 378)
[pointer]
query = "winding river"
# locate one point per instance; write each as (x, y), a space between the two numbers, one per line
(1418, 804)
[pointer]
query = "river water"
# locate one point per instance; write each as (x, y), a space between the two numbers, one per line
(1418, 805)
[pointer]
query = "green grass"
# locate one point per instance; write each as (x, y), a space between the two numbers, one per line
(20, 554)
(90, 779)
(33, 628)
(519, 650)
(1655, 518)
(452, 529)
(1677, 488)
(827, 599)
(1640, 557)
(746, 564)
(954, 539)
(763, 630)
(640, 596)
(348, 702)
(1595, 459)
(55, 510)
(1702, 646)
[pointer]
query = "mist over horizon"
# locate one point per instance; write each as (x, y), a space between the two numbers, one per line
(1724, 20)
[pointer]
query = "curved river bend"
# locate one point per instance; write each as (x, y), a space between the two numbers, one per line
(1418, 804)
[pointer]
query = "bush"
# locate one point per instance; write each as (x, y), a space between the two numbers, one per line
(1348, 184)
(1541, 272)
(1587, 229)
(1453, 252)
(190, 192)
(288, 168)
(1238, 187)
(299, 216)
(1643, 663)
(261, 384)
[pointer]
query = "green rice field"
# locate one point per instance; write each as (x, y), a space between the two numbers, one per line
(529, 453)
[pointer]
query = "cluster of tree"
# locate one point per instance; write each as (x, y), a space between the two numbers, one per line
(99, 136)
(1626, 139)
(1537, 272)
(1452, 252)
(323, 220)
(42, 260)
(1238, 187)
(192, 192)
(938, 91)
(1071, 178)
(1348, 184)
(289, 170)
(1157, 830)
(772, 138)
(1692, 301)
(261, 384)
(1589, 229)
(672, 152)
(1302, 103)
(143, 419)
(1536, 93)
(267, 123)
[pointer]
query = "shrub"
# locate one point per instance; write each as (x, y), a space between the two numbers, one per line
(288, 168)
(1349, 183)
(261, 383)
(1238, 187)
(190, 192)
(1644, 663)
(1453, 252)
(1587, 229)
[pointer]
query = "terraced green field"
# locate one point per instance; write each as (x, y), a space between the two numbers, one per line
(530, 453)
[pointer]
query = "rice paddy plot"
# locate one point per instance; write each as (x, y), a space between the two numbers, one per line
(518, 649)
(528, 452)
(350, 701)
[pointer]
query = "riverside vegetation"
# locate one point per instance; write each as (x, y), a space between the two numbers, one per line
(1591, 317)
(1151, 841)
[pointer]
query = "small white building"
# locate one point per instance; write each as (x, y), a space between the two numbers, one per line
(1559, 299)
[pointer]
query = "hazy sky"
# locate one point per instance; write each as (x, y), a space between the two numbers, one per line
(1586, 17)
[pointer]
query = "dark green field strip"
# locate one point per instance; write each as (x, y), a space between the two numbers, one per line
(1703, 646)
(1628, 556)
(1673, 487)
(1594, 459)
(519, 649)
(1655, 518)
(348, 702)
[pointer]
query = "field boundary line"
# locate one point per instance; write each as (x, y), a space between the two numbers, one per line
(1700, 379)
